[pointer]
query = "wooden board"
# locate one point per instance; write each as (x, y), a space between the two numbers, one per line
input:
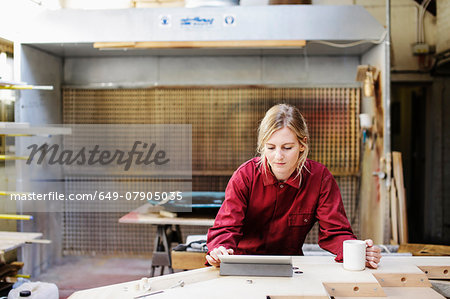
(205, 44)
(394, 213)
(402, 279)
(425, 249)
(397, 272)
(434, 267)
(187, 260)
(398, 176)
(354, 290)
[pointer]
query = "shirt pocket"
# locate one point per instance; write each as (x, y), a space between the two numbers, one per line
(300, 219)
(299, 225)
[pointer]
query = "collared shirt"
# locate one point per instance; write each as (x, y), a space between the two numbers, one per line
(263, 216)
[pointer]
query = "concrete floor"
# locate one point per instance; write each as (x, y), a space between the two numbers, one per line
(80, 273)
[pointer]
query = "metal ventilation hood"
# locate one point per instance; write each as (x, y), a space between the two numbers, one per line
(73, 32)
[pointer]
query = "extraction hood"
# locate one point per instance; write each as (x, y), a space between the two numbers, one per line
(74, 32)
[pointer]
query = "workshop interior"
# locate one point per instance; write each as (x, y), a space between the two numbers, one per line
(123, 121)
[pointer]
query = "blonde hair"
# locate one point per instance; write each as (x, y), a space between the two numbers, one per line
(276, 118)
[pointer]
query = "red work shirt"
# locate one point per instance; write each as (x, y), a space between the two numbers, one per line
(263, 216)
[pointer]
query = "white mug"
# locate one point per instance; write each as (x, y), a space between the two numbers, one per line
(354, 255)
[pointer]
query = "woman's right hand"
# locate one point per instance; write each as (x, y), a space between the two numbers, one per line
(213, 256)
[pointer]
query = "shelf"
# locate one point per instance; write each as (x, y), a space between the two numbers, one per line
(22, 86)
(9, 158)
(236, 44)
(43, 131)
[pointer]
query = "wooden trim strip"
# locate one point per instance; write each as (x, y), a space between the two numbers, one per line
(203, 44)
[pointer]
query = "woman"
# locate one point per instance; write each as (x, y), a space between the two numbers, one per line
(272, 201)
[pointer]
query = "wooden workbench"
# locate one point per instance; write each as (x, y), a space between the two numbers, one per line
(396, 277)
(161, 252)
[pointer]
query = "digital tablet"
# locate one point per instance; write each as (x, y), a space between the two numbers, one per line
(256, 259)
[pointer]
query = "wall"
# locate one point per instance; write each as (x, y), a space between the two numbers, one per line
(219, 70)
(13, 16)
(39, 107)
(437, 172)
(443, 25)
(403, 27)
(374, 212)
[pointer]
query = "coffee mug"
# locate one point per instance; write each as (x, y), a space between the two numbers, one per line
(354, 255)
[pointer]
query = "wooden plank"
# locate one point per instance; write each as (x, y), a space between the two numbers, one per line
(187, 260)
(402, 279)
(425, 249)
(204, 44)
(354, 289)
(403, 217)
(436, 272)
(394, 271)
(394, 223)
(434, 267)
(101, 45)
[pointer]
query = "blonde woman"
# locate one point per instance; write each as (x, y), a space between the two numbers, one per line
(272, 201)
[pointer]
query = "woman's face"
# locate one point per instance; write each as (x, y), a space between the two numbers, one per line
(282, 151)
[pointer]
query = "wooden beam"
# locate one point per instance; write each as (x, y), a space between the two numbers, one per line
(203, 44)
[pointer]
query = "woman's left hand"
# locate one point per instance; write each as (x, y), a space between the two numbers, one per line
(373, 254)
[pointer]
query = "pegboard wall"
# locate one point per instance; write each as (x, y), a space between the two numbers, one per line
(224, 132)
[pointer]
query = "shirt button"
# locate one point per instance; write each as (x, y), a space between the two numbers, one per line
(281, 186)
(306, 220)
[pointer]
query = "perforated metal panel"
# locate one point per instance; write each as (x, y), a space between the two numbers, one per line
(224, 131)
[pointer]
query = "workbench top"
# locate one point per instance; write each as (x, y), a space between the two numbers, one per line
(321, 277)
(142, 216)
